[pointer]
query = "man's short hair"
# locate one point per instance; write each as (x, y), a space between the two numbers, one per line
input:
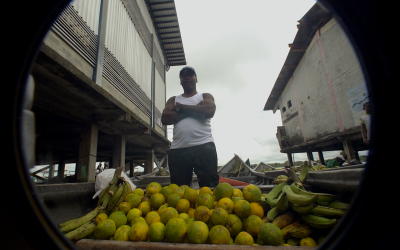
(187, 68)
(365, 103)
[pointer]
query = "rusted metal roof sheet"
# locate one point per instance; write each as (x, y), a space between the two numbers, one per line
(165, 20)
(313, 20)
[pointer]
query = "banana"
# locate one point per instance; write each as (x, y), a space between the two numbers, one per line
(291, 227)
(298, 199)
(66, 223)
(103, 195)
(302, 231)
(114, 199)
(284, 219)
(338, 205)
(327, 211)
(111, 190)
(81, 231)
(282, 203)
(318, 221)
(322, 203)
(272, 203)
(125, 192)
(293, 176)
(321, 196)
(304, 172)
(275, 192)
(302, 209)
(273, 213)
(80, 221)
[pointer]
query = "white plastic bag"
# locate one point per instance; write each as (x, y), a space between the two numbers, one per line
(104, 178)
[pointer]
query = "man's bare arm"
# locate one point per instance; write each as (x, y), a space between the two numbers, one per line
(203, 110)
(169, 115)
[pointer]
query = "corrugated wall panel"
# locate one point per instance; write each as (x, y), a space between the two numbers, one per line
(89, 11)
(124, 42)
(149, 23)
(160, 92)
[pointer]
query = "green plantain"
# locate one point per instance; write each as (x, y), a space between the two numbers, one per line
(298, 199)
(275, 192)
(338, 205)
(322, 197)
(114, 199)
(103, 195)
(327, 211)
(318, 221)
(273, 213)
(81, 232)
(302, 209)
(282, 203)
(304, 172)
(80, 221)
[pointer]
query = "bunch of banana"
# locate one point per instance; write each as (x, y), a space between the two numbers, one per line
(110, 198)
(298, 211)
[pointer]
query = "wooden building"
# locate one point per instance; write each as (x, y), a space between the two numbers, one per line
(320, 91)
(99, 85)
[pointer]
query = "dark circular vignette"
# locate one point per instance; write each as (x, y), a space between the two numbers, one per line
(370, 223)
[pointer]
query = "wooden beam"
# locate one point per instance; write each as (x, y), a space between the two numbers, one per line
(160, 3)
(165, 9)
(40, 170)
(161, 22)
(61, 170)
(348, 149)
(321, 157)
(51, 171)
(161, 16)
(290, 159)
(310, 156)
(169, 27)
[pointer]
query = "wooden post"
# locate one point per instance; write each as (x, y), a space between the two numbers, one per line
(321, 158)
(165, 162)
(61, 170)
(118, 159)
(348, 149)
(51, 171)
(149, 161)
(310, 156)
(86, 166)
(357, 155)
(131, 169)
(289, 156)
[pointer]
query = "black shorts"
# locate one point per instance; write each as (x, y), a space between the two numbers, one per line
(202, 159)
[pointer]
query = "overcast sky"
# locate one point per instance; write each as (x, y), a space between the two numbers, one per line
(237, 49)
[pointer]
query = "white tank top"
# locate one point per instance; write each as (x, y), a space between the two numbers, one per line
(190, 131)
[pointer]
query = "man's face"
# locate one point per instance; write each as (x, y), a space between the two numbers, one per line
(188, 79)
(367, 108)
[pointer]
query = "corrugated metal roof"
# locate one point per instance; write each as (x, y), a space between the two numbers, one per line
(313, 20)
(165, 20)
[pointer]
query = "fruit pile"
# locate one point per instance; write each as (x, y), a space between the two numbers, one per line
(287, 215)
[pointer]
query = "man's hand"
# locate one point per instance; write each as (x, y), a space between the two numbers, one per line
(366, 141)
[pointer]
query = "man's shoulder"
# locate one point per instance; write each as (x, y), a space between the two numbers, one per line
(207, 95)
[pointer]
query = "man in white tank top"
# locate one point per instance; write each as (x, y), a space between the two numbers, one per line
(192, 146)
